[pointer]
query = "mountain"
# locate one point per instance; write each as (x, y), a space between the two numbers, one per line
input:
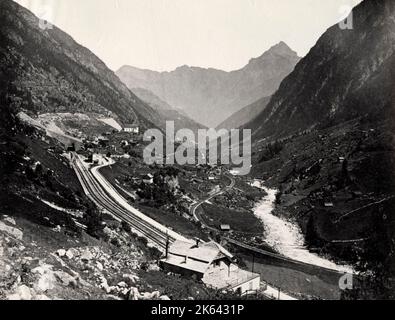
(245, 115)
(210, 96)
(166, 111)
(49, 72)
(326, 141)
(347, 74)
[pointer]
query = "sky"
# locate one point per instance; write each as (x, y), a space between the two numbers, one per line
(164, 34)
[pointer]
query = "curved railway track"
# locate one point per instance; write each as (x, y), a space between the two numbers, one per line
(104, 201)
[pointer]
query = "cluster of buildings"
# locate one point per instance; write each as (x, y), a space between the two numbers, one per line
(131, 128)
(210, 263)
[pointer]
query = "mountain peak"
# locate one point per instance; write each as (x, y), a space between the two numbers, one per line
(281, 48)
(183, 68)
(280, 45)
(210, 95)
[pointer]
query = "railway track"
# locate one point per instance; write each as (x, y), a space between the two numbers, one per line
(104, 201)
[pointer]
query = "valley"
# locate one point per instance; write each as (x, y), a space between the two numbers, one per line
(83, 215)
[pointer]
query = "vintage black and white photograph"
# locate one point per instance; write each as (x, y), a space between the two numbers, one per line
(197, 150)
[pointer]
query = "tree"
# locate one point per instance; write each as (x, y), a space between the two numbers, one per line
(94, 221)
(311, 235)
(125, 226)
(278, 196)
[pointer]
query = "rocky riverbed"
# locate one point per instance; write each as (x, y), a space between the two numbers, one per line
(285, 236)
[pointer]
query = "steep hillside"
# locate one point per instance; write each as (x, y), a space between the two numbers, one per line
(348, 73)
(209, 96)
(326, 141)
(245, 115)
(54, 244)
(50, 72)
(166, 111)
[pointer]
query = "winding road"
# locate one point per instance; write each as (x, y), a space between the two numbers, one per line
(195, 206)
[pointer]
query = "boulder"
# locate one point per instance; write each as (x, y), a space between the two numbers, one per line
(113, 289)
(146, 296)
(104, 285)
(9, 220)
(87, 256)
(66, 279)
(99, 266)
(153, 267)
(134, 294)
(166, 298)
(21, 293)
(46, 280)
(71, 253)
(133, 278)
(13, 232)
(108, 232)
(125, 292)
(155, 295)
(57, 229)
(61, 253)
(122, 284)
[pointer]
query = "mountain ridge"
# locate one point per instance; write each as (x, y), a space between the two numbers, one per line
(166, 111)
(209, 96)
(51, 72)
(296, 106)
(245, 115)
(326, 142)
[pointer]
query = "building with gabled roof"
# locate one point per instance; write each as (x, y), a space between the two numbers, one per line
(132, 128)
(210, 263)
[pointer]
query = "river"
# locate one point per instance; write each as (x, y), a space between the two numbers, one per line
(286, 237)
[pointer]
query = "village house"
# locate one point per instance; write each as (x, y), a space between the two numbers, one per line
(210, 263)
(225, 227)
(131, 128)
(102, 141)
(148, 178)
(74, 146)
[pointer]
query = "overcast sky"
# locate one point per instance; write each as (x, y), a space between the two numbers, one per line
(164, 34)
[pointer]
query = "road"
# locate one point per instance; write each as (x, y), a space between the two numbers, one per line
(107, 199)
(194, 207)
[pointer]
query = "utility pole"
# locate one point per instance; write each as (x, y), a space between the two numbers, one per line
(167, 244)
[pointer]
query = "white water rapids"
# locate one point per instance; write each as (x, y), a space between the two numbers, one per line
(286, 237)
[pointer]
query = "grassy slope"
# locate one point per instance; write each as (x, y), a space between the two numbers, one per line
(239, 221)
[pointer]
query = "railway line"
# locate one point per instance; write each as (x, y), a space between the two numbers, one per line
(105, 201)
